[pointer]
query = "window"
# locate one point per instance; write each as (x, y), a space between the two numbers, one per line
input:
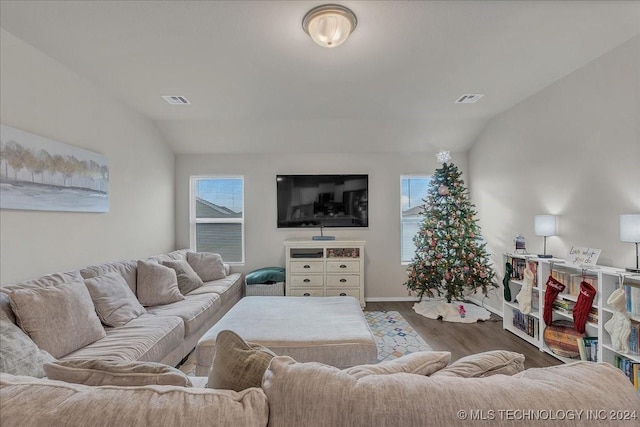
(217, 216)
(413, 189)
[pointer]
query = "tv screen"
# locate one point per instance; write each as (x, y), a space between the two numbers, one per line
(322, 200)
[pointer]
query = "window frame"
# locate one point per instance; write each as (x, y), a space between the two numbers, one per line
(402, 178)
(193, 221)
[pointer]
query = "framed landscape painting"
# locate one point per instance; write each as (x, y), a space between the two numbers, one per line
(38, 173)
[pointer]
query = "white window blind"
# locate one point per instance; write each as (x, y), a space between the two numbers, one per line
(217, 216)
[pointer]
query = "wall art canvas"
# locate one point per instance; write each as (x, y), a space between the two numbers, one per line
(38, 173)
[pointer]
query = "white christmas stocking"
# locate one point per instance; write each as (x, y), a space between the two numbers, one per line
(619, 327)
(524, 296)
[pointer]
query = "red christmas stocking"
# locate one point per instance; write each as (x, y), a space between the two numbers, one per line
(582, 307)
(551, 292)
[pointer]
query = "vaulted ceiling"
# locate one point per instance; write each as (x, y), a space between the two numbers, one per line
(257, 82)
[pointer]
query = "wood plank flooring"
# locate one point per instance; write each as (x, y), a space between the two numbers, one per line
(462, 339)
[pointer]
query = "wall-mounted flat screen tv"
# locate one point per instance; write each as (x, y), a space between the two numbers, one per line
(322, 200)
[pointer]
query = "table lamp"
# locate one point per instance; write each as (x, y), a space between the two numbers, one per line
(545, 225)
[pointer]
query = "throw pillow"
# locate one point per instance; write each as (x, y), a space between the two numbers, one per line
(188, 280)
(18, 354)
(237, 364)
(157, 284)
(115, 302)
(207, 265)
(59, 319)
(484, 365)
(420, 363)
(115, 373)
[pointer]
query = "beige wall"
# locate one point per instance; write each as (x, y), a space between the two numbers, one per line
(384, 275)
(572, 150)
(41, 96)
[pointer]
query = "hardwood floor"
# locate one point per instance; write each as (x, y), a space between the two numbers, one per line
(462, 339)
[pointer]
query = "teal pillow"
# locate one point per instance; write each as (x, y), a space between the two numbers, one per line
(265, 275)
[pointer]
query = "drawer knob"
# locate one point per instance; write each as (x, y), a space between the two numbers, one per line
(343, 266)
(306, 266)
(306, 280)
(343, 280)
(306, 294)
(343, 294)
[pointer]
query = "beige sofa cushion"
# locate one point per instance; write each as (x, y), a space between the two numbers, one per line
(147, 338)
(109, 372)
(59, 319)
(31, 402)
(237, 364)
(209, 266)
(196, 311)
(316, 395)
(127, 269)
(114, 301)
(188, 280)
(18, 354)
(485, 364)
(420, 363)
(157, 284)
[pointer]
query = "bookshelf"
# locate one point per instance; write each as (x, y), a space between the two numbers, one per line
(605, 280)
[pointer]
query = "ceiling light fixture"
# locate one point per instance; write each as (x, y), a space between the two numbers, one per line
(329, 25)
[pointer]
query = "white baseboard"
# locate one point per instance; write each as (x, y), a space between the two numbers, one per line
(491, 309)
(390, 299)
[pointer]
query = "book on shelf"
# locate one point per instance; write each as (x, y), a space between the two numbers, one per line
(519, 265)
(634, 337)
(588, 348)
(526, 323)
(632, 295)
(629, 368)
(573, 288)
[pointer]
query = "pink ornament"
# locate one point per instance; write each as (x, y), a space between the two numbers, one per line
(443, 190)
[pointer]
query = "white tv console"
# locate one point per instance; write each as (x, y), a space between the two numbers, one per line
(318, 268)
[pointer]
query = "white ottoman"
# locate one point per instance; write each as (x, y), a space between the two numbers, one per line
(329, 330)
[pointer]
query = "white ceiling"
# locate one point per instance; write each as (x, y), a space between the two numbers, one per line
(257, 83)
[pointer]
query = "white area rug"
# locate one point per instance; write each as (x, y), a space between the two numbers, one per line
(434, 308)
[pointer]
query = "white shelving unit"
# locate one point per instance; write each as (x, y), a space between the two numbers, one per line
(608, 280)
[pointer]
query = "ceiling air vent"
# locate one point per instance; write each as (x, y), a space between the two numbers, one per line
(176, 100)
(469, 98)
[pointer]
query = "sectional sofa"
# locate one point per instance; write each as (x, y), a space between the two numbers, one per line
(164, 333)
(414, 391)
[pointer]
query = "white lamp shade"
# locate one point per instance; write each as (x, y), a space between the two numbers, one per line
(545, 225)
(630, 228)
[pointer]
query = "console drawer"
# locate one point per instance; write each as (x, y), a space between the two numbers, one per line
(343, 280)
(343, 292)
(306, 292)
(343, 266)
(306, 267)
(303, 281)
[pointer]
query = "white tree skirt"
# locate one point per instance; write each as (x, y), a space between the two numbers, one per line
(435, 308)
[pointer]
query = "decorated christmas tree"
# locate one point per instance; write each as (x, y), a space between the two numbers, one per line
(450, 259)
